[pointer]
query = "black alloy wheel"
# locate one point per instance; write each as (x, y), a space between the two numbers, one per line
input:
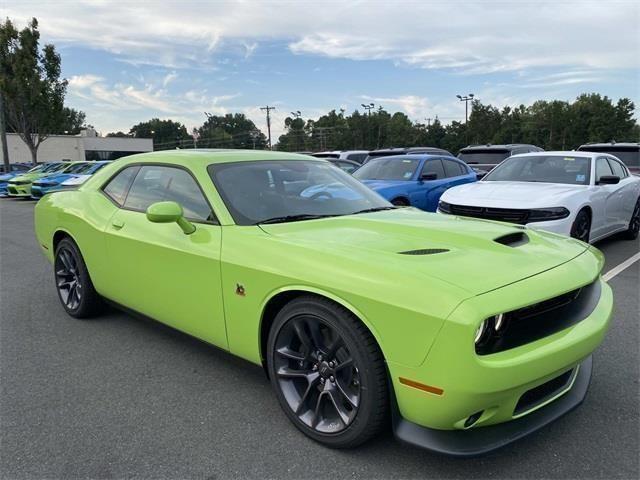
(68, 281)
(73, 283)
(581, 228)
(317, 374)
(328, 372)
(634, 223)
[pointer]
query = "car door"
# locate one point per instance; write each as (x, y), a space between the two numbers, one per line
(457, 173)
(625, 197)
(603, 220)
(155, 268)
(431, 190)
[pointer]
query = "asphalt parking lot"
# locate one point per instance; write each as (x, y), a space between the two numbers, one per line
(121, 397)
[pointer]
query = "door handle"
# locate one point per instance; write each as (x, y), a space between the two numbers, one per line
(117, 223)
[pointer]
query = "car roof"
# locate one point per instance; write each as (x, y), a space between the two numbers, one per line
(506, 146)
(208, 156)
(560, 153)
(416, 156)
(610, 145)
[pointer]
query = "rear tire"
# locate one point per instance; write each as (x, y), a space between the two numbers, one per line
(581, 228)
(328, 373)
(634, 223)
(73, 283)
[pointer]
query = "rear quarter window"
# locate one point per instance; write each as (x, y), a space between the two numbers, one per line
(116, 189)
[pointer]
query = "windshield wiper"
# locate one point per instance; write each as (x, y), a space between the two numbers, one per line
(374, 209)
(292, 218)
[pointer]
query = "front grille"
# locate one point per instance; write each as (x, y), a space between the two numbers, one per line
(511, 215)
(542, 319)
(19, 183)
(540, 394)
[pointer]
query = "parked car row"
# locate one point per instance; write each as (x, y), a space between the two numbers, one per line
(46, 177)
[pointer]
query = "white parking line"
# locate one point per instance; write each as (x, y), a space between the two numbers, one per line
(619, 268)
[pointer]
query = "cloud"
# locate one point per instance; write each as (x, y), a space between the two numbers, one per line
(464, 36)
(169, 77)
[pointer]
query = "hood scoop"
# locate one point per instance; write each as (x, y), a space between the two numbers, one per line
(515, 239)
(425, 251)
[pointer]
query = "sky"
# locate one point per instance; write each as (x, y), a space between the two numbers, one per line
(127, 62)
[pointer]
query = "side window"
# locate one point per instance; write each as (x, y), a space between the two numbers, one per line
(357, 157)
(434, 166)
(618, 170)
(156, 183)
(347, 167)
(453, 169)
(118, 187)
(602, 168)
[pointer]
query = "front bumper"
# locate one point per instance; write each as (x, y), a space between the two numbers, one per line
(474, 442)
(23, 190)
(494, 385)
(38, 191)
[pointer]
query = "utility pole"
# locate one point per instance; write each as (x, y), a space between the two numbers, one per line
(297, 115)
(428, 119)
(466, 99)
(268, 109)
(3, 137)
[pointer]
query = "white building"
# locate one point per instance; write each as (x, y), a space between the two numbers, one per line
(86, 146)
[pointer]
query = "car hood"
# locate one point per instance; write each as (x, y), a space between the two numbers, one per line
(473, 260)
(511, 194)
(382, 184)
(55, 178)
(29, 177)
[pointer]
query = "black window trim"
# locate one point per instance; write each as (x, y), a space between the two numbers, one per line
(622, 165)
(139, 165)
(464, 168)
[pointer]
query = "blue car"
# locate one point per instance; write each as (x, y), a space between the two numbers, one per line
(415, 180)
(54, 181)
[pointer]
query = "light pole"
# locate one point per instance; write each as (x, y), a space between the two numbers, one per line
(368, 108)
(466, 99)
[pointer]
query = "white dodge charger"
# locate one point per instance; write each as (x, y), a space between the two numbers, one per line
(586, 195)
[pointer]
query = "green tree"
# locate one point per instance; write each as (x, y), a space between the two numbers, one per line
(30, 85)
(166, 134)
(231, 131)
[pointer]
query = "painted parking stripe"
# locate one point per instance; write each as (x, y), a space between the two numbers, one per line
(619, 268)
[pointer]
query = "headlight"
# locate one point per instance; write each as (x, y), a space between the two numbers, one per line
(481, 332)
(444, 207)
(545, 214)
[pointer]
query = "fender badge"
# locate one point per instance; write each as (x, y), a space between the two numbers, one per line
(240, 290)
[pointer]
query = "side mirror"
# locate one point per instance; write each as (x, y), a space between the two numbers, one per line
(609, 180)
(428, 176)
(169, 212)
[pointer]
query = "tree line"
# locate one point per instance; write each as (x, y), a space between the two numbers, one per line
(552, 125)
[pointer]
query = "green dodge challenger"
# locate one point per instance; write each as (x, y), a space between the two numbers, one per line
(466, 334)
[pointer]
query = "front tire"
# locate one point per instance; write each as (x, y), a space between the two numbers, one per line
(634, 223)
(73, 283)
(328, 372)
(581, 228)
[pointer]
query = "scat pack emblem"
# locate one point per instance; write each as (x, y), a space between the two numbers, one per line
(240, 290)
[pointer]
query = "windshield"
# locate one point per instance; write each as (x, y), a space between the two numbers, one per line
(490, 156)
(542, 168)
(388, 168)
(78, 168)
(630, 156)
(38, 168)
(256, 192)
